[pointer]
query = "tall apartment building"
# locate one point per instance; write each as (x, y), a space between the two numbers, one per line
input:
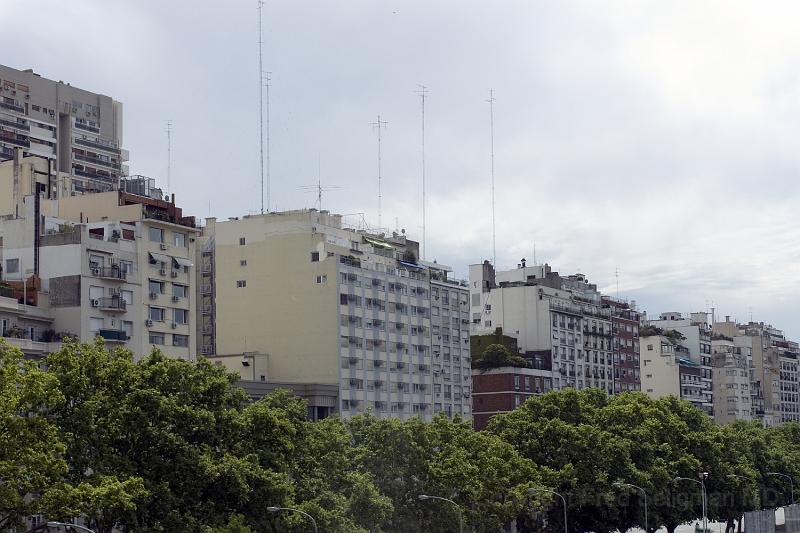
(561, 318)
(115, 265)
(305, 299)
(732, 379)
(625, 327)
(697, 332)
(668, 370)
(77, 131)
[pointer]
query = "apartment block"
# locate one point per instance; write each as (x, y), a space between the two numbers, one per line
(78, 132)
(625, 328)
(696, 331)
(732, 378)
(668, 370)
(322, 303)
(114, 264)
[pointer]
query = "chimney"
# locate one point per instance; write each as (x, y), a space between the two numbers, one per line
(173, 198)
(523, 262)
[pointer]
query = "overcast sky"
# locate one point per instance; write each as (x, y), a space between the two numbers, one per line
(658, 138)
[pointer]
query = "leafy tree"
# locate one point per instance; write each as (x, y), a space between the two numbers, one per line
(496, 356)
(31, 454)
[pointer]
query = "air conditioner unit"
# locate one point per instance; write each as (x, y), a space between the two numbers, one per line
(174, 325)
(162, 246)
(148, 323)
(153, 295)
(174, 274)
(95, 271)
(163, 271)
(175, 298)
(95, 303)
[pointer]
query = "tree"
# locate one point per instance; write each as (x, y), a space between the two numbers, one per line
(496, 356)
(31, 454)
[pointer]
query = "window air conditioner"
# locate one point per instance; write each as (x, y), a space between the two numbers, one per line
(148, 323)
(174, 325)
(153, 295)
(175, 298)
(162, 246)
(95, 303)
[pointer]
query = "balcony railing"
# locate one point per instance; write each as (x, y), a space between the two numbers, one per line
(114, 273)
(12, 107)
(92, 175)
(111, 303)
(82, 126)
(113, 335)
(96, 161)
(99, 146)
(13, 124)
(18, 140)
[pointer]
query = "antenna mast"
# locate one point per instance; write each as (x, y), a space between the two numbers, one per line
(423, 93)
(491, 126)
(168, 129)
(261, 79)
(378, 125)
(616, 275)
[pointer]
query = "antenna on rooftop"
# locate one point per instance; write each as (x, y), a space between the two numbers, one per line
(423, 93)
(168, 129)
(378, 125)
(319, 188)
(616, 275)
(491, 125)
(263, 81)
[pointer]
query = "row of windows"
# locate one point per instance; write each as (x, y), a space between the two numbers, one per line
(158, 234)
(158, 287)
(159, 314)
(158, 339)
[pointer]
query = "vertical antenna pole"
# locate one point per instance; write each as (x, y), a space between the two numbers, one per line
(267, 79)
(379, 124)
(168, 129)
(616, 275)
(261, 101)
(491, 126)
(423, 93)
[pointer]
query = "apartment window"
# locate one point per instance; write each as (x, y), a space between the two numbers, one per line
(127, 327)
(156, 287)
(156, 314)
(181, 291)
(179, 239)
(242, 241)
(322, 279)
(12, 266)
(241, 283)
(180, 340)
(243, 262)
(649, 347)
(95, 324)
(126, 266)
(180, 316)
(314, 257)
(156, 234)
(516, 382)
(156, 338)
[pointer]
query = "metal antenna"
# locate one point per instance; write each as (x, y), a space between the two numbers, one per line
(616, 275)
(319, 188)
(491, 125)
(261, 84)
(423, 93)
(168, 129)
(378, 125)
(534, 253)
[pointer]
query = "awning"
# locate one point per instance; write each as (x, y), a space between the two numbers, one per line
(180, 261)
(410, 265)
(379, 244)
(160, 258)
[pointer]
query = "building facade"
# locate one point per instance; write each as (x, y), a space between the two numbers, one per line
(328, 304)
(625, 329)
(77, 131)
(732, 379)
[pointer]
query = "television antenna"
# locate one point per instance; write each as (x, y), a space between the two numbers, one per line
(319, 188)
(263, 82)
(491, 126)
(423, 93)
(379, 124)
(168, 130)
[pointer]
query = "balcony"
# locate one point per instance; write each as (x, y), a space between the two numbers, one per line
(96, 161)
(97, 145)
(112, 273)
(112, 304)
(19, 140)
(92, 175)
(113, 335)
(17, 125)
(86, 127)
(12, 107)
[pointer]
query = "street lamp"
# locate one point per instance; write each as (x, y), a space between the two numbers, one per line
(791, 482)
(423, 497)
(620, 484)
(64, 524)
(755, 494)
(534, 490)
(701, 482)
(279, 509)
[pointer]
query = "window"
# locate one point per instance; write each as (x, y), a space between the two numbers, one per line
(12, 266)
(243, 262)
(156, 338)
(180, 291)
(156, 234)
(180, 316)
(126, 266)
(180, 340)
(127, 327)
(156, 287)
(156, 314)
(179, 239)
(241, 283)
(322, 279)
(314, 257)
(95, 324)
(242, 241)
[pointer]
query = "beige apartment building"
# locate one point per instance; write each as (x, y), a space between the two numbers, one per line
(299, 297)
(668, 370)
(732, 381)
(113, 264)
(77, 132)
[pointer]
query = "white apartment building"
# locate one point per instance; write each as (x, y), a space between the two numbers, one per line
(732, 381)
(79, 132)
(563, 317)
(667, 370)
(314, 301)
(111, 264)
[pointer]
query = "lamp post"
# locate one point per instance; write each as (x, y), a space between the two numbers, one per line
(620, 484)
(755, 494)
(701, 482)
(64, 524)
(791, 482)
(534, 490)
(290, 509)
(424, 497)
